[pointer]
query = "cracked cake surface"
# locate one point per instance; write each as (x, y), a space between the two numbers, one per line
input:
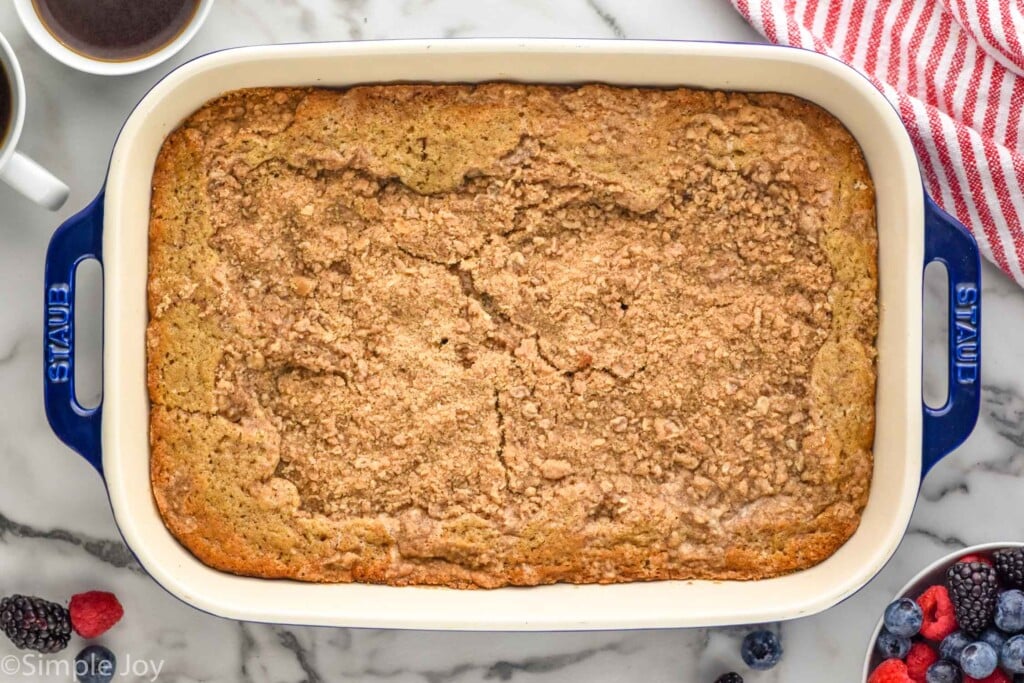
(477, 336)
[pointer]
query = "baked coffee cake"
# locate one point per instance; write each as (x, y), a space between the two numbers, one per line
(476, 336)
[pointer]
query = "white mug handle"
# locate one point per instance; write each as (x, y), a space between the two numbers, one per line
(34, 181)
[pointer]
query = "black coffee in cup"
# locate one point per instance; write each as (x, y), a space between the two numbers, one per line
(115, 30)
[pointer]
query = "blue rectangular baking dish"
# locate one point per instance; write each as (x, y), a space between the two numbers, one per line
(910, 436)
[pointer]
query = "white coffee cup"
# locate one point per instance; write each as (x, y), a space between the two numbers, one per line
(16, 169)
(62, 53)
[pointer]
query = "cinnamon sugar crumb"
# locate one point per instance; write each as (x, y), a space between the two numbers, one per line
(508, 334)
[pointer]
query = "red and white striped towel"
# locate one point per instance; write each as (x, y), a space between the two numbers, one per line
(955, 71)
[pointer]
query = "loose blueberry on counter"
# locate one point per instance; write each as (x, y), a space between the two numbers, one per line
(903, 618)
(1011, 656)
(943, 671)
(95, 664)
(892, 646)
(952, 645)
(979, 660)
(761, 650)
(1010, 611)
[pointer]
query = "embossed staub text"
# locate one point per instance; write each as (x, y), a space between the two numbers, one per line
(966, 331)
(58, 332)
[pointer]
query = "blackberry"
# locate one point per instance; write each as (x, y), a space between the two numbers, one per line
(1010, 566)
(35, 624)
(731, 677)
(973, 587)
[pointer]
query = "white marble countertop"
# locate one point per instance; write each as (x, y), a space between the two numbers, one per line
(56, 531)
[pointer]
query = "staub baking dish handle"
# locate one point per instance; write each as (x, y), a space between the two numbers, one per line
(80, 238)
(949, 242)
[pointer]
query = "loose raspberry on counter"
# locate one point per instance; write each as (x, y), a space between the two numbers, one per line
(920, 657)
(93, 613)
(939, 616)
(890, 671)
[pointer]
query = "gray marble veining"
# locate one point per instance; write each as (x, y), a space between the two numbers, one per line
(57, 535)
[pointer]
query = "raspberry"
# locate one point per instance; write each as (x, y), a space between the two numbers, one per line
(939, 616)
(890, 671)
(920, 657)
(976, 558)
(997, 676)
(93, 613)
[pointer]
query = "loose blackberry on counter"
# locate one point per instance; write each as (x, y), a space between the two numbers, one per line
(973, 588)
(731, 677)
(35, 624)
(1010, 566)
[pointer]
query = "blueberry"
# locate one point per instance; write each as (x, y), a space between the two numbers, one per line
(1010, 611)
(943, 671)
(952, 645)
(903, 618)
(993, 637)
(95, 664)
(979, 660)
(761, 650)
(1011, 657)
(892, 646)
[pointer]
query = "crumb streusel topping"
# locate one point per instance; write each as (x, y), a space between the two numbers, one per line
(476, 336)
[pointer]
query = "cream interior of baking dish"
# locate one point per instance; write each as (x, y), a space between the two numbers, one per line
(827, 82)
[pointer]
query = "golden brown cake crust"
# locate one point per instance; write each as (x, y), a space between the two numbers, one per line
(475, 336)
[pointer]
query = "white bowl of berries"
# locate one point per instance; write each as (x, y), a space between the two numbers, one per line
(960, 620)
